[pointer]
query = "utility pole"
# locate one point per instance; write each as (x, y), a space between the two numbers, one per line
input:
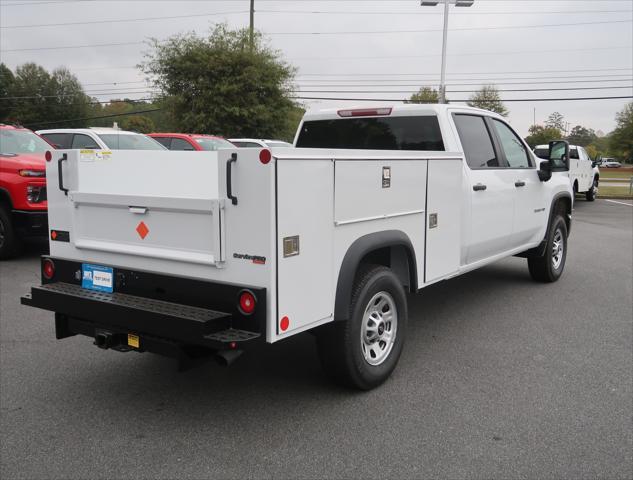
(252, 26)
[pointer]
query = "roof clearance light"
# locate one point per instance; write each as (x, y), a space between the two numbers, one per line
(365, 112)
(265, 156)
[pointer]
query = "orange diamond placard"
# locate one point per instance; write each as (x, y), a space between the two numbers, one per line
(142, 230)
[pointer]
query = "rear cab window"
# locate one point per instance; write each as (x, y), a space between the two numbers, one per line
(373, 133)
(476, 141)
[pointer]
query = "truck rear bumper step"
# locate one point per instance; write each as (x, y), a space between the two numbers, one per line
(183, 323)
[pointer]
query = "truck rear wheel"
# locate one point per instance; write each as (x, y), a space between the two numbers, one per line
(9, 241)
(362, 351)
(550, 266)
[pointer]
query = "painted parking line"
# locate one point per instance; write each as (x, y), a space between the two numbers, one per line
(620, 203)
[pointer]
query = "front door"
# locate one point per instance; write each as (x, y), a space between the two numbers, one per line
(491, 189)
(530, 212)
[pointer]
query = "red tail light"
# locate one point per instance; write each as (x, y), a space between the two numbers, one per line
(48, 156)
(48, 269)
(265, 156)
(365, 112)
(247, 302)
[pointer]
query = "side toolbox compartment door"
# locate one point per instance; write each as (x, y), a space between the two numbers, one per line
(443, 219)
(305, 193)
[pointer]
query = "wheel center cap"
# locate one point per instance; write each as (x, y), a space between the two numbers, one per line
(381, 329)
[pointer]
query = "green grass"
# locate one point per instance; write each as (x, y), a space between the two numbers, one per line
(613, 173)
(613, 191)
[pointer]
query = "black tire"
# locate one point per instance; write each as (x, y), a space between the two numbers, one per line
(546, 268)
(10, 244)
(340, 345)
(590, 195)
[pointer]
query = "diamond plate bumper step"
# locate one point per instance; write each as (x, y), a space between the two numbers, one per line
(136, 314)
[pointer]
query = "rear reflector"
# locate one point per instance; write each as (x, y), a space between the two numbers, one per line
(247, 302)
(366, 112)
(284, 324)
(48, 269)
(265, 156)
(48, 156)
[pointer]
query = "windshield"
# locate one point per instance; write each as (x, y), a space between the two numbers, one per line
(211, 144)
(130, 142)
(21, 141)
(277, 144)
(385, 133)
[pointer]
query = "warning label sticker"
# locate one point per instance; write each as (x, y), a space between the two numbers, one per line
(87, 155)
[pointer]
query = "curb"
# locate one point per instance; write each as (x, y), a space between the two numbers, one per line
(615, 197)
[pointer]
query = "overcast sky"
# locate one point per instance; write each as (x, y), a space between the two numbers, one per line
(387, 48)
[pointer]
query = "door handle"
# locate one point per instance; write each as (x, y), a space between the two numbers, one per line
(519, 183)
(479, 187)
(229, 183)
(139, 210)
(60, 174)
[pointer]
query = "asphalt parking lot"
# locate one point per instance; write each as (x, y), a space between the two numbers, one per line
(501, 377)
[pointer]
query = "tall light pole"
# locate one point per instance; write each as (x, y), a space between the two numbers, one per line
(457, 3)
(251, 30)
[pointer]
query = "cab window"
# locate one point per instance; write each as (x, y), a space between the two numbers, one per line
(476, 141)
(180, 144)
(164, 141)
(515, 152)
(83, 141)
(59, 140)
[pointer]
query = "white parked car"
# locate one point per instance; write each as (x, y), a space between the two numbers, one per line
(99, 138)
(584, 173)
(258, 143)
(263, 244)
(610, 163)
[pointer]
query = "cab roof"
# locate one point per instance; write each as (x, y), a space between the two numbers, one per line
(397, 109)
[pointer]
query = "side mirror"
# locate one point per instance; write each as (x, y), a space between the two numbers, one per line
(544, 171)
(595, 163)
(559, 155)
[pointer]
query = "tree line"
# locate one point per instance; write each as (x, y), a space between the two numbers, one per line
(225, 84)
(618, 144)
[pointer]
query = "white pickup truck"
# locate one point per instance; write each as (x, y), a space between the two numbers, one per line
(190, 254)
(584, 174)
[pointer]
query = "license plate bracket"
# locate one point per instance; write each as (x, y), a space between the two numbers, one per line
(97, 277)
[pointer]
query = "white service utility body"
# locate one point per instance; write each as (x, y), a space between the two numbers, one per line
(584, 174)
(187, 252)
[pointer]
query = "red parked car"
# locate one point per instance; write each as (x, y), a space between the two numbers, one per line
(23, 206)
(191, 141)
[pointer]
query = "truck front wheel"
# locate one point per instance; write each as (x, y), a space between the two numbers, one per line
(590, 195)
(362, 351)
(9, 241)
(549, 267)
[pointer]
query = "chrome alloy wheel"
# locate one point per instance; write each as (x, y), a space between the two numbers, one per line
(379, 328)
(558, 249)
